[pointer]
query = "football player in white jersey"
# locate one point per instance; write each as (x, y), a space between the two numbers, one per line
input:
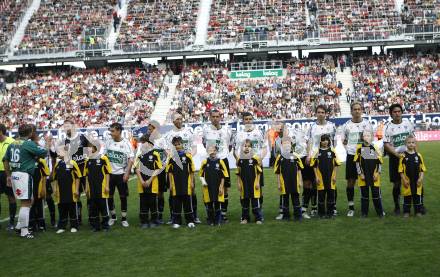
(220, 136)
(316, 130)
(121, 155)
(187, 136)
(258, 141)
(395, 135)
(353, 130)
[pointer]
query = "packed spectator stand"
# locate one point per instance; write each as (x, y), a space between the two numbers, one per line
(94, 97)
(236, 21)
(11, 12)
(158, 24)
(58, 25)
(307, 83)
(413, 81)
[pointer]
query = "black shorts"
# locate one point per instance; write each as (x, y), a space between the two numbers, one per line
(4, 185)
(49, 190)
(394, 169)
(82, 184)
(116, 181)
(350, 168)
(307, 172)
(227, 179)
(162, 178)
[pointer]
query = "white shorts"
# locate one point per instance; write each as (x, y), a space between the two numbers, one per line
(22, 185)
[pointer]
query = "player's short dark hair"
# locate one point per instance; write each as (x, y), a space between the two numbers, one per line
(244, 114)
(3, 129)
(395, 105)
(354, 104)
(69, 120)
(117, 126)
(24, 130)
(176, 140)
(213, 111)
(322, 107)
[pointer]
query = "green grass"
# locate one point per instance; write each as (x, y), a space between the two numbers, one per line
(344, 246)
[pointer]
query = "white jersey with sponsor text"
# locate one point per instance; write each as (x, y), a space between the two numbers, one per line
(256, 137)
(353, 132)
(316, 131)
(186, 134)
(119, 153)
(219, 137)
(300, 139)
(396, 134)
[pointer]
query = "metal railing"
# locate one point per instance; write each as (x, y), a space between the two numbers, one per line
(270, 39)
(257, 65)
(152, 47)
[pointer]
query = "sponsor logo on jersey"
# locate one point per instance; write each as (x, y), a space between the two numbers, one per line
(399, 139)
(116, 157)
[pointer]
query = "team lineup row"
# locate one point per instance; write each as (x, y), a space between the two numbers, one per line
(304, 160)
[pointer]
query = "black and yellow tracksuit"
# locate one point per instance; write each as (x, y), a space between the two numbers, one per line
(214, 171)
(249, 174)
(288, 167)
(146, 164)
(65, 176)
(39, 192)
(325, 162)
(411, 165)
(96, 173)
(369, 162)
(180, 180)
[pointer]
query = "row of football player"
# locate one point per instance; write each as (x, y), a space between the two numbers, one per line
(396, 130)
(214, 172)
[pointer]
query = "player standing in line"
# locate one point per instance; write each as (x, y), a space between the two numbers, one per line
(187, 136)
(121, 156)
(396, 133)
(19, 164)
(316, 130)
(353, 130)
(220, 136)
(5, 141)
(258, 141)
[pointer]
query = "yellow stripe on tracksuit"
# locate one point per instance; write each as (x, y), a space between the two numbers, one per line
(402, 169)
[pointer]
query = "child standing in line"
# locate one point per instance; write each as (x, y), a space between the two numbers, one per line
(325, 163)
(212, 173)
(369, 161)
(412, 171)
(249, 172)
(287, 168)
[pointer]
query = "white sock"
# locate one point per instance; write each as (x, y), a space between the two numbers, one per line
(123, 214)
(23, 219)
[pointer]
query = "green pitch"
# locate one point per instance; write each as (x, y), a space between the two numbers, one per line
(344, 246)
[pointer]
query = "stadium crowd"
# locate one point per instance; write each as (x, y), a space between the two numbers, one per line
(160, 22)
(235, 21)
(58, 25)
(350, 19)
(412, 81)
(307, 83)
(93, 97)
(10, 14)
(421, 12)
